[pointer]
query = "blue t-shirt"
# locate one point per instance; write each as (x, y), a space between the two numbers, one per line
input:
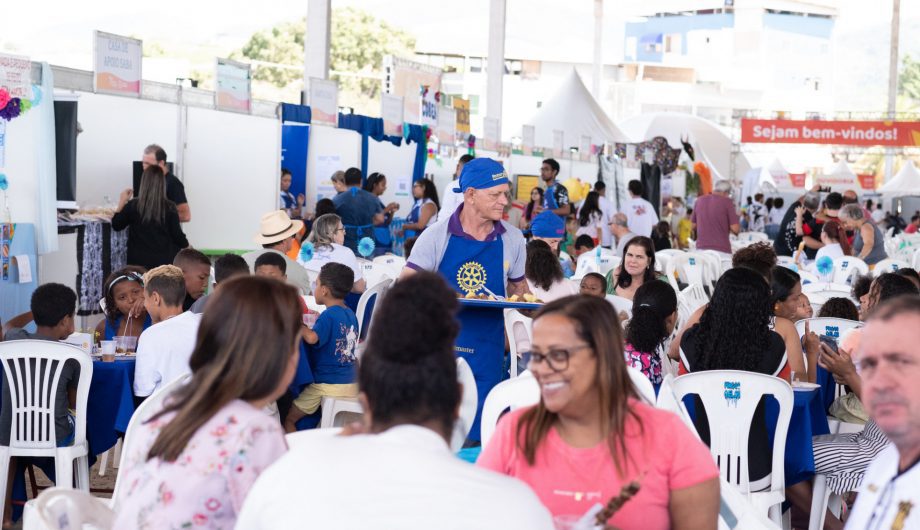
(357, 208)
(332, 359)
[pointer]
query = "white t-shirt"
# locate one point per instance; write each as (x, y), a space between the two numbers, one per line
(449, 201)
(832, 251)
(334, 253)
(595, 221)
(878, 216)
(886, 497)
(163, 351)
(609, 211)
(641, 216)
(405, 477)
(775, 217)
(560, 289)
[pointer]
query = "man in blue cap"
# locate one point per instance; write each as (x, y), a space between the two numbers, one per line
(550, 228)
(477, 253)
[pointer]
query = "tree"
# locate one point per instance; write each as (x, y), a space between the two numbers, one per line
(909, 80)
(358, 44)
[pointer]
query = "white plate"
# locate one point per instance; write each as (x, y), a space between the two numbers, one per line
(805, 387)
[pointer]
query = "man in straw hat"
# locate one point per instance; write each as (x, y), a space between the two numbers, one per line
(276, 233)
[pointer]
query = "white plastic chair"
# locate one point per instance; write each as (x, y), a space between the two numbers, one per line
(788, 262)
(297, 438)
(587, 263)
(32, 371)
(469, 403)
(808, 278)
(333, 407)
(392, 262)
(889, 265)
(831, 327)
(515, 324)
(730, 398)
(379, 291)
(695, 297)
(661, 261)
(621, 304)
(752, 237)
(691, 267)
(152, 405)
(845, 267)
(643, 385)
(512, 393)
(915, 260)
(66, 509)
(607, 263)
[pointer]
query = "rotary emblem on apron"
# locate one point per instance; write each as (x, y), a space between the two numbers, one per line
(471, 277)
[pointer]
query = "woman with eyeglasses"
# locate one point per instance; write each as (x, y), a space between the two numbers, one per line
(590, 436)
(327, 240)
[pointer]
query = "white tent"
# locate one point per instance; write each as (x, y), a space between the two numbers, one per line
(757, 180)
(839, 178)
(905, 183)
(573, 110)
(711, 144)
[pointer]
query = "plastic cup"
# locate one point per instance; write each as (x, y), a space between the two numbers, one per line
(108, 357)
(107, 346)
(125, 344)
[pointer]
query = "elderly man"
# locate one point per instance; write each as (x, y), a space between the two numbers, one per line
(477, 253)
(620, 229)
(714, 218)
(889, 367)
(276, 232)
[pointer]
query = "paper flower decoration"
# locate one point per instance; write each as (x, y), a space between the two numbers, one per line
(36, 95)
(11, 110)
(366, 246)
(4, 184)
(4, 97)
(824, 265)
(24, 106)
(306, 251)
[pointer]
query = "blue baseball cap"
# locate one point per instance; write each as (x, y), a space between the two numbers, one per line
(547, 225)
(480, 174)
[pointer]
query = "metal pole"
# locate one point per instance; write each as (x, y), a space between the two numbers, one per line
(598, 38)
(893, 80)
(316, 44)
(495, 70)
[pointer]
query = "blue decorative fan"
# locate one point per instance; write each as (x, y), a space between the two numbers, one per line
(366, 246)
(4, 184)
(824, 265)
(306, 252)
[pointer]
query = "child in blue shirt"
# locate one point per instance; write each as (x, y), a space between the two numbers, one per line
(332, 345)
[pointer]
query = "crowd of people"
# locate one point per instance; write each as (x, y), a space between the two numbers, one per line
(216, 455)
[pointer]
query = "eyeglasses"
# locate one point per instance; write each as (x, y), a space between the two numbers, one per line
(337, 230)
(556, 359)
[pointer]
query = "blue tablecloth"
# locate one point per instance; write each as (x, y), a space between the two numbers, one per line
(808, 420)
(110, 404)
(828, 390)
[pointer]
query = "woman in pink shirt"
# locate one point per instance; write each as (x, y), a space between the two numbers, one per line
(194, 462)
(590, 436)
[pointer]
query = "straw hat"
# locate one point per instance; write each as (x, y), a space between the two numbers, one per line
(276, 226)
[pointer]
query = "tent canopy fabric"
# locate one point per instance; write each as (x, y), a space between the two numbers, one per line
(906, 182)
(573, 110)
(840, 178)
(711, 145)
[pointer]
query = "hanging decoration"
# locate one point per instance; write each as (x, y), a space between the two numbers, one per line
(366, 246)
(6, 231)
(471, 145)
(306, 252)
(11, 108)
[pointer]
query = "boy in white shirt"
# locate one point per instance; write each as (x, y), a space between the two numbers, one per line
(163, 349)
(640, 213)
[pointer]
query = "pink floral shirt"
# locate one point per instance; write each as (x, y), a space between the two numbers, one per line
(648, 363)
(206, 486)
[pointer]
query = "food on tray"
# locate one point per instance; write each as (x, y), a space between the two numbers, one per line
(528, 297)
(515, 298)
(471, 295)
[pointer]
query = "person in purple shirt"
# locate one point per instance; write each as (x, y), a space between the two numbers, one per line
(714, 218)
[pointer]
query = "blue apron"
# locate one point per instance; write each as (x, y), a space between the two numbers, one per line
(467, 265)
(413, 216)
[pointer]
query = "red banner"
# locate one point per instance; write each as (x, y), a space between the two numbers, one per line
(797, 180)
(867, 133)
(867, 181)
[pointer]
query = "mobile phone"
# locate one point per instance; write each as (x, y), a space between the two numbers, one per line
(830, 341)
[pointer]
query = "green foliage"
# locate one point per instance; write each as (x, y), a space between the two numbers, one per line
(909, 79)
(358, 44)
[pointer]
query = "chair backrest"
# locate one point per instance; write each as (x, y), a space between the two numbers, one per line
(831, 327)
(845, 267)
(730, 398)
(667, 400)
(717, 263)
(587, 262)
(509, 394)
(643, 385)
(808, 278)
(377, 291)
(390, 265)
(469, 403)
(787, 261)
(607, 263)
(819, 287)
(152, 405)
(915, 260)
(68, 509)
(889, 265)
(694, 267)
(517, 325)
(695, 297)
(32, 370)
(621, 304)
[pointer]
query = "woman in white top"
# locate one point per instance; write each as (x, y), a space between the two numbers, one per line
(591, 218)
(326, 247)
(544, 273)
(835, 246)
(424, 212)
